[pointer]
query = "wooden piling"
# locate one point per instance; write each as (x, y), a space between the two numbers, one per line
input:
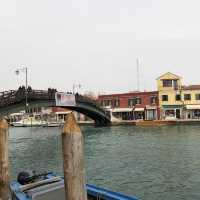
(73, 160)
(4, 161)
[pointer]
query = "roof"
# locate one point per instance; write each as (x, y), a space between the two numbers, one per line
(191, 87)
(128, 94)
(174, 76)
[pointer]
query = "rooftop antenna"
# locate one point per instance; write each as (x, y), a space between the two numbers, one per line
(138, 74)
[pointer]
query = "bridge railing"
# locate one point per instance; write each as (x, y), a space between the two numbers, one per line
(7, 97)
(38, 94)
(6, 94)
(44, 94)
(16, 96)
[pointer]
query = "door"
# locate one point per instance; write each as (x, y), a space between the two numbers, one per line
(178, 114)
(151, 115)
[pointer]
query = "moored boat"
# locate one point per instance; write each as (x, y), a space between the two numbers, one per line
(28, 122)
(48, 186)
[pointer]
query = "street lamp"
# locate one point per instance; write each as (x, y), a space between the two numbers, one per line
(76, 86)
(24, 70)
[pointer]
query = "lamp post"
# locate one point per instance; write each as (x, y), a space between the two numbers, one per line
(76, 86)
(24, 70)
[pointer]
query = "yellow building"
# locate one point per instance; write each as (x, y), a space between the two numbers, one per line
(176, 100)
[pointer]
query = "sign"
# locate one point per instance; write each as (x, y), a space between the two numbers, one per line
(65, 99)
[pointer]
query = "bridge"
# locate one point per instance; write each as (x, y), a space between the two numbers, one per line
(15, 100)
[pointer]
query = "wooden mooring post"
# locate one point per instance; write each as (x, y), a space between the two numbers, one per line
(73, 160)
(4, 161)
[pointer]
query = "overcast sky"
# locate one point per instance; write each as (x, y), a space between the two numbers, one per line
(96, 43)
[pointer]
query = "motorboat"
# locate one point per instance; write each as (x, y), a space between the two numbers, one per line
(28, 122)
(48, 186)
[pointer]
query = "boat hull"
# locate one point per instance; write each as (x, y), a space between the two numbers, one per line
(55, 190)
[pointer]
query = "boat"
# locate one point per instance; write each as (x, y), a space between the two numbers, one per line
(48, 186)
(28, 122)
(53, 124)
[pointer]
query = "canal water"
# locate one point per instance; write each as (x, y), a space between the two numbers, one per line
(152, 163)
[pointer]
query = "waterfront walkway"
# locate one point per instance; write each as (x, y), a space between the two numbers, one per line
(156, 122)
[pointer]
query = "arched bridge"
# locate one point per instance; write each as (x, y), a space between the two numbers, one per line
(15, 100)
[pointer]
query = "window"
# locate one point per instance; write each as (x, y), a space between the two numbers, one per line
(107, 102)
(175, 84)
(116, 103)
(164, 97)
(138, 100)
(131, 102)
(187, 97)
(153, 100)
(178, 97)
(167, 83)
(170, 114)
(197, 96)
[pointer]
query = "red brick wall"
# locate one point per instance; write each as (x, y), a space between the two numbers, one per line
(145, 96)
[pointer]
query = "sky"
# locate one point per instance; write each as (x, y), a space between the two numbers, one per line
(95, 43)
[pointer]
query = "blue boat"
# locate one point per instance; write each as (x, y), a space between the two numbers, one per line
(48, 186)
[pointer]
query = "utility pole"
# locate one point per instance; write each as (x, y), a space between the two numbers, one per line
(138, 74)
(26, 71)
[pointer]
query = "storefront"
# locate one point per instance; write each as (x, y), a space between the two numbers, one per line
(171, 112)
(123, 113)
(151, 113)
(192, 112)
(139, 113)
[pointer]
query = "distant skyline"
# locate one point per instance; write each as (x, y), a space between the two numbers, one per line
(96, 43)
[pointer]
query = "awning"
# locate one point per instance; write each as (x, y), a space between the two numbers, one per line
(122, 110)
(172, 106)
(151, 107)
(139, 109)
(193, 107)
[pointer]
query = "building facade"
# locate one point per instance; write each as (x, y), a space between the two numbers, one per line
(132, 105)
(177, 101)
(191, 96)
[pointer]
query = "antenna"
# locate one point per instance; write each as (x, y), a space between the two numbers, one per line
(138, 75)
